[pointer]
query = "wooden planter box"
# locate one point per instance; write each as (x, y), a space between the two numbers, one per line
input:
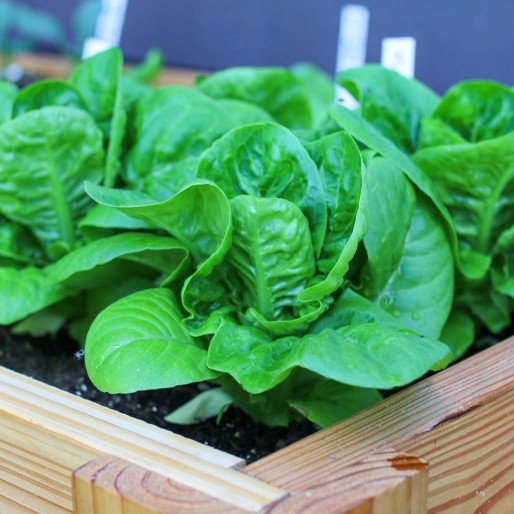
(443, 445)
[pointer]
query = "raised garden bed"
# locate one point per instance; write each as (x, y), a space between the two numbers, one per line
(445, 444)
(256, 243)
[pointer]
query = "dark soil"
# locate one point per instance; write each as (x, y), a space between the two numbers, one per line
(58, 362)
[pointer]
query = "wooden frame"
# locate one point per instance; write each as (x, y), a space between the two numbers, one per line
(445, 444)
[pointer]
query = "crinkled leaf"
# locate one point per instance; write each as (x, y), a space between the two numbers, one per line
(45, 156)
(339, 164)
(336, 276)
(477, 110)
(138, 343)
(370, 356)
(272, 254)
(172, 124)
(476, 183)
(266, 160)
(46, 93)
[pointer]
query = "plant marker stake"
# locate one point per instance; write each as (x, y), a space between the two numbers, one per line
(399, 54)
(352, 46)
(109, 28)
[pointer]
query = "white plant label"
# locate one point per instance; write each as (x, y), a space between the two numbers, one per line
(352, 45)
(399, 54)
(109, 28)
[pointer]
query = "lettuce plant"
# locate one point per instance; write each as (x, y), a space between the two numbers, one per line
(248, 232)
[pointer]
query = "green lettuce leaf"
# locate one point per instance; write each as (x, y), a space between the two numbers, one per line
(409, 271)
(276, 90)
(199, 216)
(8, 93)
(476, 111)
(138, 343)
(26, 291)
(45, 157)
(89, 267)
(369, 356)
(392, 103)
(173, 124)
(46, 93)
(270, 162)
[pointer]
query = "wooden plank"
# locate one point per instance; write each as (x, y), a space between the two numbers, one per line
(46, 65)
(36, 466)
(58, 410)
(418, 409)
(471, 460)
(58, 432)
(387, 482)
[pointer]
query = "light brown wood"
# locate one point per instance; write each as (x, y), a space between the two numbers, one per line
(113, 486)
(47, 431)
(46, 65)
(387, 482)
(471, 460)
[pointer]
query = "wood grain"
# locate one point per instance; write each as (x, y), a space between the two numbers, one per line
(471, 460)
(387, 482)
(418, 409)
(45, 431)
(113, 486)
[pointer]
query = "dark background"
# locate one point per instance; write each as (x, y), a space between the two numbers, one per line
(456, 39)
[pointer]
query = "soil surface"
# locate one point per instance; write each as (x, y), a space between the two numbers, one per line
(58, 362)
